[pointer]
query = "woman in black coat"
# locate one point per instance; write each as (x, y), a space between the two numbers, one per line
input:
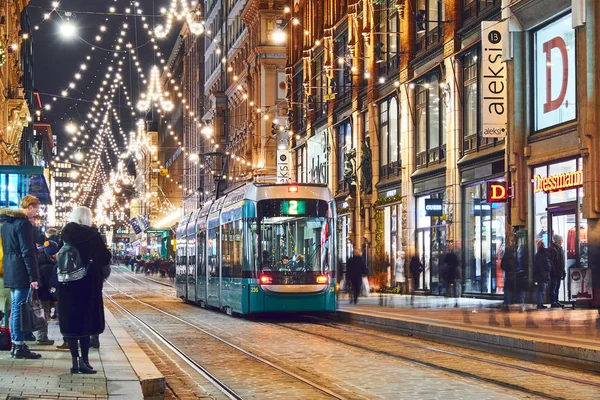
(80, 306)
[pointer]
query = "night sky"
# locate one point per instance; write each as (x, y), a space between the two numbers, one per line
(57, 59)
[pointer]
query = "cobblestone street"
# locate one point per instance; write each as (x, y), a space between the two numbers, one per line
(351, 362)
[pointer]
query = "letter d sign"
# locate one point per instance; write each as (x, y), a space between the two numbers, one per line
(497, 192)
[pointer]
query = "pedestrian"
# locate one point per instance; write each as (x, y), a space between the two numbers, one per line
(522, 273)
(400, 277)
(416, 267)
(452, 275)
(355, 270)
(557, 256)
(541, 272)
(510, 266)
(81, 310)
(46, 261)
(21, 271)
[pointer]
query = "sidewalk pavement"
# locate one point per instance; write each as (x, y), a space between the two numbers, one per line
(49, 377)
(564, 336)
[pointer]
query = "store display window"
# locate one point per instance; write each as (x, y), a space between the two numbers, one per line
(431, 244)
(483, 242)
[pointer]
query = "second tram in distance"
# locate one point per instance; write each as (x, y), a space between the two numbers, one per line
(260, 248)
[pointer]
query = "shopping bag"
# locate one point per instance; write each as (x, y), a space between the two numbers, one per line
(365, 289)
(5, 341)
(33, 317)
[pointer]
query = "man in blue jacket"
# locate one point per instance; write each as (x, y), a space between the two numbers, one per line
(21, 270)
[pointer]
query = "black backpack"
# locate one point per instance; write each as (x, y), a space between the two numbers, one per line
(69, 266)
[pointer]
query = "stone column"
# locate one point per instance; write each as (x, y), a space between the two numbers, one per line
(590, 141)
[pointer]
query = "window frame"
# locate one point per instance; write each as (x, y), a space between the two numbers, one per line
(430, 155)
(433, 35)
(343, 131)
(391, 168)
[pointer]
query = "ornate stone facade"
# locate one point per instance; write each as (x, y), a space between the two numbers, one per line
(14, 111)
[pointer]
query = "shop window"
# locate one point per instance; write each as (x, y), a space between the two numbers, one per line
(320, 87)
(429, 27)
(484, 241)
(430, 121)
(393, 233)
(387, 40)
(475, 8)
(344, 136)
(430, 245)
(390, 138)
(554, 81)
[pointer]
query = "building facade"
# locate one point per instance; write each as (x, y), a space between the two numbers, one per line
(390, 104)
(14, 110)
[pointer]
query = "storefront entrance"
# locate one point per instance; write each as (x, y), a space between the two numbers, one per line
(563, 221)
(558, 197)
(431, 244)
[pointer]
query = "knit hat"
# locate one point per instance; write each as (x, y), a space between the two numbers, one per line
(50, 247)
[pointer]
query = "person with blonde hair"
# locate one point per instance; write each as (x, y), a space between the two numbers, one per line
(80, 306)
(20, 264)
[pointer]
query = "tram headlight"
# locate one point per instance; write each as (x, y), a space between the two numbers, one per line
(323, 279)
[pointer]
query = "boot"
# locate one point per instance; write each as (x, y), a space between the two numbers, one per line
(86, 361)
(64, 345)
(22, 351)
(79, 367)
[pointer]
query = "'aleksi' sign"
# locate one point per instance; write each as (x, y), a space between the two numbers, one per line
(493, 113)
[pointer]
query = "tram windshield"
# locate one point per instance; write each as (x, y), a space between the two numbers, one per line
(294, 235)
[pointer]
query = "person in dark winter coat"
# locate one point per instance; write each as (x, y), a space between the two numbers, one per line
(355, 270)
(21, 271)
(48, 283)
(541, 271)
(557, 256)
(80, 306)
(510, 266)
(452, 275)
(416, 267)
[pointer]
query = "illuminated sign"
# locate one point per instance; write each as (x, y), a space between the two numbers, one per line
(555, 183)
(497, 192)
(293, 207)
(494, 116)
(434, 208)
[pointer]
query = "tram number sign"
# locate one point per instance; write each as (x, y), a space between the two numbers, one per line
(293, 207)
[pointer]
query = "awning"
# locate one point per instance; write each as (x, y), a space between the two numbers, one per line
(17, 181)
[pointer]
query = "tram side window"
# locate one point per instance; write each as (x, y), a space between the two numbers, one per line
(232, 249)
(212, 251)
(201, 254)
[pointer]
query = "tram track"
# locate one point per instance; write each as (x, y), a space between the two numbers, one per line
(219, 383)
(382, 341)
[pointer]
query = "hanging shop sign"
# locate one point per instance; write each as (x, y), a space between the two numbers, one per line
(318, 151)
(556, 183)
(283, 169)
(493, 116)
(497, 192)
(555, 73)
(434, 208)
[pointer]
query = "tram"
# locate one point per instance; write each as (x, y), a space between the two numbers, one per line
(261, 248)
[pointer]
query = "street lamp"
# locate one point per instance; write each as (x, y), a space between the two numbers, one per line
(71, 127)
(67, 29)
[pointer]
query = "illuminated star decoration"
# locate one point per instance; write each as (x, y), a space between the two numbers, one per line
(154, 95)
(183, 12)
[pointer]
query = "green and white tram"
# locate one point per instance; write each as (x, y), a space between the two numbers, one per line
(260, 248)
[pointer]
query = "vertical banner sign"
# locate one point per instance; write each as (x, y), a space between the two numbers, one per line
(494, 112)
(283, 169)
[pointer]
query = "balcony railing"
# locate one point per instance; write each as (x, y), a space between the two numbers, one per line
(390, 170)
(431, 156)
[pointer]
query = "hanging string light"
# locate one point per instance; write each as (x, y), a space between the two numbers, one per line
(155, 95)
(180, 10)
